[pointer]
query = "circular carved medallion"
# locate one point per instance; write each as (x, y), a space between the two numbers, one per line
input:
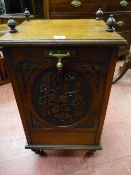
(61, 98)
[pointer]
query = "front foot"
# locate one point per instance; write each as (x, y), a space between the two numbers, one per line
(40, 152)
(90, 153)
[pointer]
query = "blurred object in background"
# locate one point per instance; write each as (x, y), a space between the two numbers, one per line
(2, 7)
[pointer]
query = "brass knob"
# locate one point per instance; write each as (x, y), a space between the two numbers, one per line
(123, 3)
(120, 23)
(60, 57)
(76, 3)
(59, 64)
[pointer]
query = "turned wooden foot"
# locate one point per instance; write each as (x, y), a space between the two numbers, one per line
(40, 152)
(90, 153)
(123, 69)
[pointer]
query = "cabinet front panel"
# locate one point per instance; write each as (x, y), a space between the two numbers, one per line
(65, 138)
(62, 99)
(67, 101)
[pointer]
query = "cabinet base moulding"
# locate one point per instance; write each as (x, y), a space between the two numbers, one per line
(63, 147)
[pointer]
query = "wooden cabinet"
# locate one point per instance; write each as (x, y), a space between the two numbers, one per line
(83, 8)
(61, 76)
(79, 8)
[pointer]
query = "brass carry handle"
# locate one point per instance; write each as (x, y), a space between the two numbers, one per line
(76, 3)
(123, 3)
(60, 57)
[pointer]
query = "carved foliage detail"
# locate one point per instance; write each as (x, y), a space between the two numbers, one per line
(27, 68)
(95, 69)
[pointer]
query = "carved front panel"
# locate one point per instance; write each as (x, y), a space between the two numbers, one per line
(64, 99)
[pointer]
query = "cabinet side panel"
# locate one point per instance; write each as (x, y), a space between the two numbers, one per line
(17, 91)
(113, 57)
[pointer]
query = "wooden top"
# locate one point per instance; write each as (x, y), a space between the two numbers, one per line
(69, 31)
(3, 29)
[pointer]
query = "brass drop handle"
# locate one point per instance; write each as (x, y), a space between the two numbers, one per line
(123, 3)
(120, 23)
(76, 3)
(60, 57)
